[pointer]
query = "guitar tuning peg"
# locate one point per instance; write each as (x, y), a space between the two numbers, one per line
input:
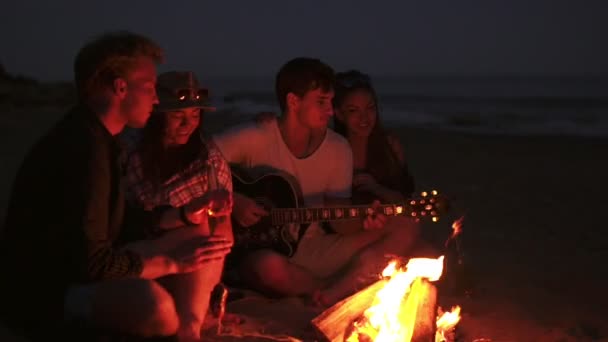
(434, 192)
(424, 194)
(435, 219)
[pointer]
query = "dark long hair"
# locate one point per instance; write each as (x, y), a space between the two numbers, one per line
(381, 161)
(160, 163)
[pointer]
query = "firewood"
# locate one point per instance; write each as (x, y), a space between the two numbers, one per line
(421, 306)
(333, 322)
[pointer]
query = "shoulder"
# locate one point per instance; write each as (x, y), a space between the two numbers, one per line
(213, 152)
(72, 138)
(337, 150)
(337, 141)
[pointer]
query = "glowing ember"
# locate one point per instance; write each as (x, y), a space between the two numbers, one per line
(457, 227)
(386, 319)
(456, 230)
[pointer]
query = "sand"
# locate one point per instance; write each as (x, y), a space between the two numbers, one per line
(534, 233)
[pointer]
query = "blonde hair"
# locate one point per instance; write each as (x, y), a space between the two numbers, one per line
(110, 56)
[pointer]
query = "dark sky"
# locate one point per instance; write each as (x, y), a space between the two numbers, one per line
(254, 37)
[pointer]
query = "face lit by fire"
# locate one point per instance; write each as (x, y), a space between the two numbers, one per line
(138, 93)
(314, 109)
(180, 124)
(358, 112)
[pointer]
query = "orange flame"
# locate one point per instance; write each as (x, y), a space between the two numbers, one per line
(457, 227)
(385, 320)
(446, 322)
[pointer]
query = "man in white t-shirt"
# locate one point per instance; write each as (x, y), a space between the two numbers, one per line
(325, 266)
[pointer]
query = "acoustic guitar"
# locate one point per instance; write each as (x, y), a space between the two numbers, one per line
(288, 219)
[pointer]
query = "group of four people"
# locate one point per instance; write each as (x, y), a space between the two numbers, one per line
(106, 237)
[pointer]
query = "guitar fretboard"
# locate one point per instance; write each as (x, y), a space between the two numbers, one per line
(281, 216)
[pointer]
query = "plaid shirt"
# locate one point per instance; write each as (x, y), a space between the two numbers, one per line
(192, 182)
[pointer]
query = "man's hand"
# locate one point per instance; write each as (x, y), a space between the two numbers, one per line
(178, 251)
(375, 220)
(246, 211)
(214, 203)
(192, 254)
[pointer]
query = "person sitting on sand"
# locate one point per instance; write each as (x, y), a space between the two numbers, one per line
(172, 166)
(327, 265)
(75, 264)
(380, 169)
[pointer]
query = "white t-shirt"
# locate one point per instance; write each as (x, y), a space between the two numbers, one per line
(327, 172)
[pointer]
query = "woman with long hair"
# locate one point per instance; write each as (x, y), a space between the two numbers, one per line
(173, 165)
(380, 169)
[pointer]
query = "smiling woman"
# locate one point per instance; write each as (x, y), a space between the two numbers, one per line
(381, 171)
(173, 165)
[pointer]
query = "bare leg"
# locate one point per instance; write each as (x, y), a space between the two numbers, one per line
(128, 306)
(273, 274)
(397, 238)
(192, 291)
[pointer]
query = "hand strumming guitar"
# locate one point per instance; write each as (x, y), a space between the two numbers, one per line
(246, 211)
(376, 220)
(214, 203)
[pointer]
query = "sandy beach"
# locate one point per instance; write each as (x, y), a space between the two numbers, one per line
(534, 233)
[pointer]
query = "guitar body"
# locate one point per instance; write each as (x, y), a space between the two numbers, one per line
(280, 195)
(270, 190)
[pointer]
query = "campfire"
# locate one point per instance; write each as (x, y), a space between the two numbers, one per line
(401, 306)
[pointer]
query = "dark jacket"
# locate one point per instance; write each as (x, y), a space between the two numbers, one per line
(64, 223)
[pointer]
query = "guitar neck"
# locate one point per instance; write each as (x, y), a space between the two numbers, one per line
(281, 216)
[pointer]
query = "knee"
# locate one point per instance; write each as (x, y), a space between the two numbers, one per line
(268, 269)
(134, 306)
(402, 230)
(159, 309)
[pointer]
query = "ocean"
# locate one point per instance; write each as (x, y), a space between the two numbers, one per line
(492, 105)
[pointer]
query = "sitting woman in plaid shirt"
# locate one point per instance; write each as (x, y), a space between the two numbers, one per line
(173, 165)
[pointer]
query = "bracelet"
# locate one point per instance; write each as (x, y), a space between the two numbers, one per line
(184, 217)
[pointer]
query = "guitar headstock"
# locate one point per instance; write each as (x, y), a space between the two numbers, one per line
(428, 205)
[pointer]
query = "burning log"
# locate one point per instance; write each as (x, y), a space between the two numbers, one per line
(400, 307)
(421, 309)
(334, 322)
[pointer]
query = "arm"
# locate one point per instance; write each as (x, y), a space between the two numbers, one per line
(366, 183)
(397, 148)
(238, 146)
(181, 250)
(93, 246)
(398, 151)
